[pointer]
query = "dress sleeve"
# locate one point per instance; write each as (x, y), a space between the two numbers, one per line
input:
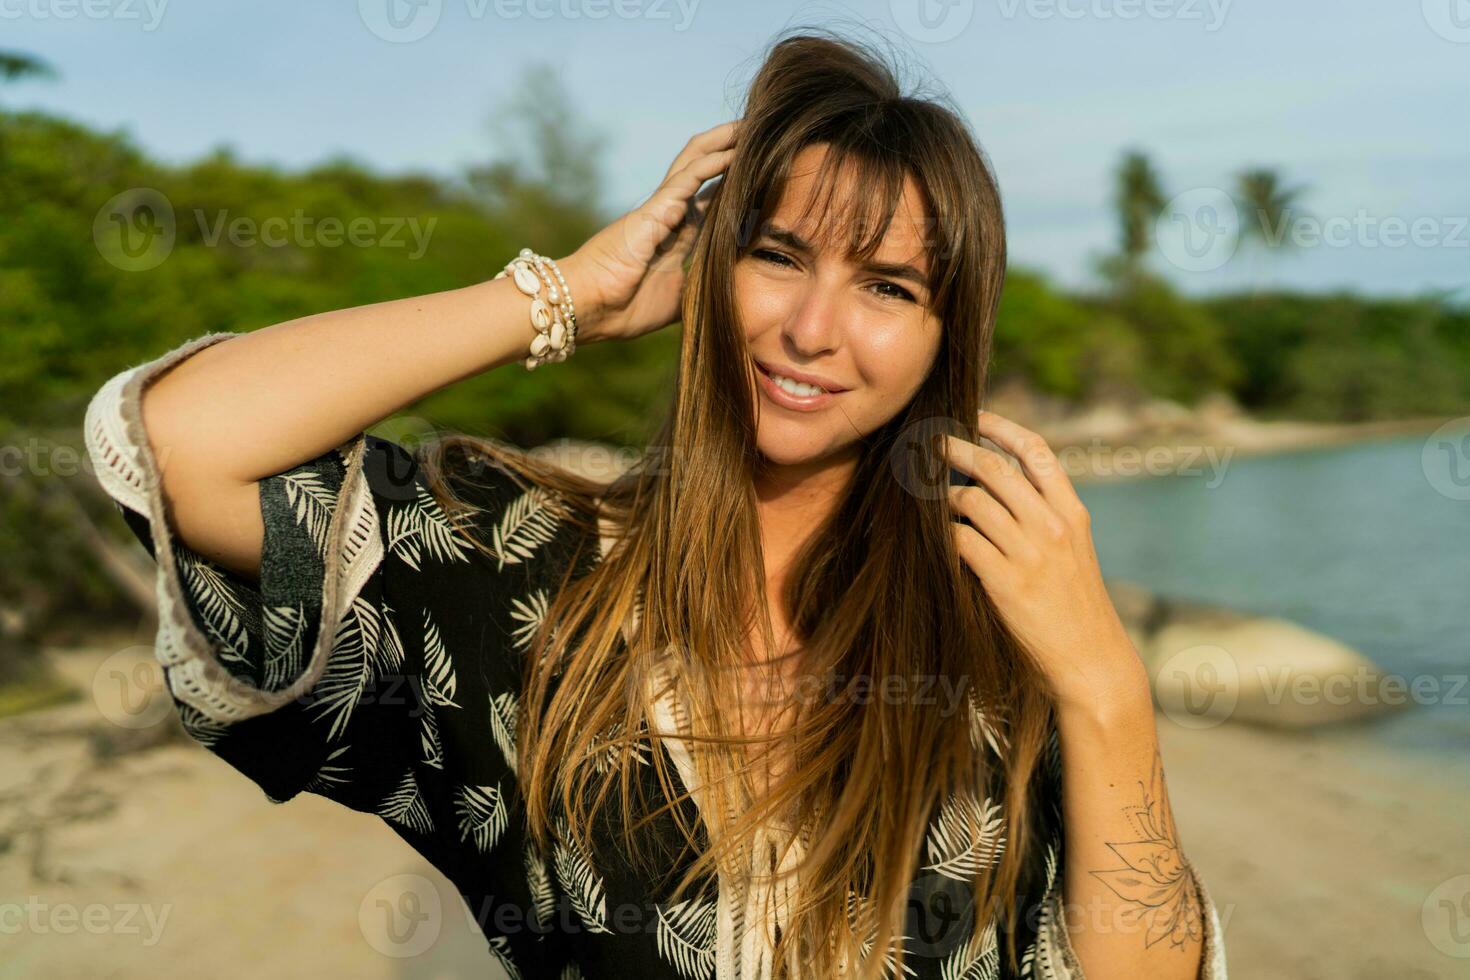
(1054, 953)
(291, 678)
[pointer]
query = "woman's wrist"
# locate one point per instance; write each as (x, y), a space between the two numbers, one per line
(590, 306)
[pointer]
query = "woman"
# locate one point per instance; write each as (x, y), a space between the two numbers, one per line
(774, 702)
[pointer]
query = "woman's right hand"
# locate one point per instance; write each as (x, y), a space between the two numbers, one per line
(628, 279)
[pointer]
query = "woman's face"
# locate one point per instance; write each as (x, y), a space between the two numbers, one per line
(862, 332)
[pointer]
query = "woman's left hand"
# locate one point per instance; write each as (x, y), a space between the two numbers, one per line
(1029, 539)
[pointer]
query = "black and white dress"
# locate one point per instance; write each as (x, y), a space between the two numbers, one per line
(377, 663)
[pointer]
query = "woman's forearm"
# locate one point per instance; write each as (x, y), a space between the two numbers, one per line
(270, 399)
(1130, 901)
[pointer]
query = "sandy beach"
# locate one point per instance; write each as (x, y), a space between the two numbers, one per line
(1320, 850)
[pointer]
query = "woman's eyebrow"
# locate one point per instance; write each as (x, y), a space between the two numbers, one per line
(898, 270)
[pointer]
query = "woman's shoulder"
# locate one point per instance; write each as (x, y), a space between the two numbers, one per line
(466, 508)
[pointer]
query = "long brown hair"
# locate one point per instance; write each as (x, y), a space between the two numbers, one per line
(877, 592)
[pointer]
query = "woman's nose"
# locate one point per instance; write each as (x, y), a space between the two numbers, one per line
(814, 325)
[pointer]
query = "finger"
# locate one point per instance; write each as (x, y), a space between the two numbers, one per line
(712, 139)
(675, 249)
(671, 202)
(1036, 457)
(982, 557)
(990, 518)
(1002, 477)
(647, 228)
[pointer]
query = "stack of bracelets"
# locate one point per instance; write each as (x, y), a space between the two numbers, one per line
(553, 317)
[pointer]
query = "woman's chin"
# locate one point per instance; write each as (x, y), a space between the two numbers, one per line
(791, 450)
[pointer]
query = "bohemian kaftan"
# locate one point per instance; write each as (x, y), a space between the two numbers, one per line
(377, 663)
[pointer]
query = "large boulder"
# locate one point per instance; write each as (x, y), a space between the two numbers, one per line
(1211, 664)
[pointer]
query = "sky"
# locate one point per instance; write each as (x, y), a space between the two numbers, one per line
(1364, 104)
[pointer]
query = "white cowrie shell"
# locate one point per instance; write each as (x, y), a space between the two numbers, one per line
(526, 280)
(539, 344)
(540, 314)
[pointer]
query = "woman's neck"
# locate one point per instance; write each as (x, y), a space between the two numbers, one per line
(792, 501)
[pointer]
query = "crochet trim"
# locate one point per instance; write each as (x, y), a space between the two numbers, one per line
(128, 471)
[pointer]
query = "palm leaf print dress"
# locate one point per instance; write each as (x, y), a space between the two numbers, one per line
(377, 663)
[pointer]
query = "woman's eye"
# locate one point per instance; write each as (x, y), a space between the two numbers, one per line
(770, 256)
(898, 291)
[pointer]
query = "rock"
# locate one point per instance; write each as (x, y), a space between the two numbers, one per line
(1110, 422)
(1137, 607)
(594, 460)
(1216, 407)
(1161, 415)
(1211, 664)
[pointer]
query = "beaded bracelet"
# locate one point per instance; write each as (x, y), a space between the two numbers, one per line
(554, 318)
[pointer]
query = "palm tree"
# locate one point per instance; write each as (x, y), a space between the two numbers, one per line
(1267, 206)
(1139, 200)
(15, 66)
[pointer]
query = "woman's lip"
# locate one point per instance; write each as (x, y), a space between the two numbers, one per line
(815, 380)
(787, 400)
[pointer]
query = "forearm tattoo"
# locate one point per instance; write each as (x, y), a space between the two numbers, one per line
(1155, 881)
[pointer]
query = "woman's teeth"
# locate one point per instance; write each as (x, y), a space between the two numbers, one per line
(798, 388)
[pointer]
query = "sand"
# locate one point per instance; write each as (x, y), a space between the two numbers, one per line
(1319, 848)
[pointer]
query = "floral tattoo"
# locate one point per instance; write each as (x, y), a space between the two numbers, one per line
(1155, 881)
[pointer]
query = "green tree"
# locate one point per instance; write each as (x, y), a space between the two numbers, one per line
(15, 66)
(1267, 207)
(1138, 197)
